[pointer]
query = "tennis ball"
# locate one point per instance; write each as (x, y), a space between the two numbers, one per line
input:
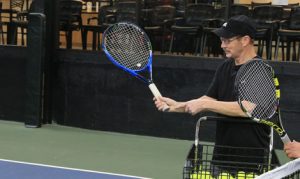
(224, 175)
(201, 175)
(241, 175)
(194, 176)
(251, 176)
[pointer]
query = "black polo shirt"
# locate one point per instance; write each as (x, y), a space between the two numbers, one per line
(229, 133)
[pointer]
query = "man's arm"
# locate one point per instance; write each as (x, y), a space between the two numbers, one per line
(174, 106)
(206, 103)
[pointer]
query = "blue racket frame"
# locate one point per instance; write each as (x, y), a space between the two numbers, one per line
(134, 73)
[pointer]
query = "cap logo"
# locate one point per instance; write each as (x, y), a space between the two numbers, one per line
(225, 24)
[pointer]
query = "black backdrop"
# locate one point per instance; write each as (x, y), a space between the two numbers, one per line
(92, 93)
(12, 81)
(89, 92)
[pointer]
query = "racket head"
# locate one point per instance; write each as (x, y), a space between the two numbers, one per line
(128, 47)
(256, 90)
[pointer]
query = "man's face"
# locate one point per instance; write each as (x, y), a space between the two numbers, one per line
(232, 46)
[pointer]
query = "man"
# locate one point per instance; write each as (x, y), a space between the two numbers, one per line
(237, 41)
(292, 149)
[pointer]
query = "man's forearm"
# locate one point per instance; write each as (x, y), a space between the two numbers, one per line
(225, 108)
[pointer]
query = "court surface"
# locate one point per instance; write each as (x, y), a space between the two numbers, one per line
(87, 152)
(74, 152)
(16, 169)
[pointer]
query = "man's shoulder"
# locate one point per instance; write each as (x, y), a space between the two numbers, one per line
(226, 63)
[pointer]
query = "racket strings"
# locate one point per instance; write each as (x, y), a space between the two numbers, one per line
(128, 46)
(257, 90)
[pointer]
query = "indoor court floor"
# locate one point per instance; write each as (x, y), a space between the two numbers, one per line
(55, 148)
(61, 152)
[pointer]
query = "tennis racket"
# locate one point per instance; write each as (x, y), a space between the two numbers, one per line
(128, 47)
(258, 95)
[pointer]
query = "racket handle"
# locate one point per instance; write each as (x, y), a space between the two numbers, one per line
(156, 94)
(285, 139)
(154, 90)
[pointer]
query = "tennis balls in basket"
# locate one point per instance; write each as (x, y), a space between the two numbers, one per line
(243, 175)
(201, 175)
(251, 176)
(224, 175)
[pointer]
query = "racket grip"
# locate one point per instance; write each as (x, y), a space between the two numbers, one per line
(285, 139)
(156, 94)
(154, 90)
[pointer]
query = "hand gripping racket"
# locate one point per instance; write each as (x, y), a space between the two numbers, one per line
(128, 47)
(258, 95)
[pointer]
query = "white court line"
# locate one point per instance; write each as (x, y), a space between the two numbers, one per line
(67, 168)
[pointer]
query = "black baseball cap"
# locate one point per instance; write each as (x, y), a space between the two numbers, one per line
(239, 25)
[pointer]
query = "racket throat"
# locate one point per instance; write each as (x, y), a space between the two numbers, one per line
(276, 127)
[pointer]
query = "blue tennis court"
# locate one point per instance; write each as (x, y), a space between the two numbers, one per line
(16, 169)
